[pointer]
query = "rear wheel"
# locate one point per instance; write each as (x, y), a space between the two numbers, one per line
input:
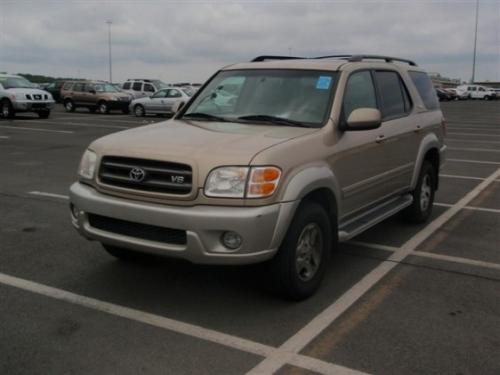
(44, 114)
(69, 106)
(423, 195)
(300, 264)
(6, 109)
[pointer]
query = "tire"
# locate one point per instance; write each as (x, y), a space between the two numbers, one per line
(299, 266)
(139, 111)
(69, 106)
(103, 108)
(44, 114)
(423, 196)
(486, 98)
(123, 254)
(6, 109)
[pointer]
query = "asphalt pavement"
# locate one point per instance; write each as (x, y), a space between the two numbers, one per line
(398, 299)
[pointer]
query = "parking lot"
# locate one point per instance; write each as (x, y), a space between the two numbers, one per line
(398, 299)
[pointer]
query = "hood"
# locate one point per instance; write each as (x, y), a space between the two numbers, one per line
(203, 145)
(144, 99)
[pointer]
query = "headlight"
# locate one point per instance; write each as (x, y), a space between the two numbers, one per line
(227, 182)
(87, 166)
(233, 182)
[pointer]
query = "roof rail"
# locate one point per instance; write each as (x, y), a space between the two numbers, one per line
(357, 58)
(269, 57)
(350, 58)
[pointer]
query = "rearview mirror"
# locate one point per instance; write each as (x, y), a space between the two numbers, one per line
(364, 119)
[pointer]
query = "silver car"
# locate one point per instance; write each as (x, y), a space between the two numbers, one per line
(17, 94)
(165, 101)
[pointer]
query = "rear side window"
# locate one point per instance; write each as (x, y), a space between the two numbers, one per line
(137, 86)
(425, 89)
(126, 86)
(394, 101)
(359, 93)
(78, 87)
(67, 85)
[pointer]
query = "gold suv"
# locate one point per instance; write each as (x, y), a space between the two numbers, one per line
(274, 160)
(94, 95)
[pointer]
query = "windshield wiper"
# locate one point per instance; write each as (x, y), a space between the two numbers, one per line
(273, 120)
(204, 116)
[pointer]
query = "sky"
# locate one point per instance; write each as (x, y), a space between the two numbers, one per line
(190, 40)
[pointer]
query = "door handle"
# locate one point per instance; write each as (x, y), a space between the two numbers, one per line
(417, 129)
(380, 138)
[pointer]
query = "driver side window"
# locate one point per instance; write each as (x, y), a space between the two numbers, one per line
(359, 93)
(160, 94)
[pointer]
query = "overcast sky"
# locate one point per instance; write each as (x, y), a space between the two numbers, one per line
(189, 40)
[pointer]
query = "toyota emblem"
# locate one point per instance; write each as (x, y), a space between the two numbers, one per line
(137, 174)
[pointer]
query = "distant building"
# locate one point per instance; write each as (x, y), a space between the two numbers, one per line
(444, 82)
(494, 84)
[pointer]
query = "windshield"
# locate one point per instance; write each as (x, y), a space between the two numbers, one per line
(301, 96)
(188, 91)
(15, 82)
(105, 87)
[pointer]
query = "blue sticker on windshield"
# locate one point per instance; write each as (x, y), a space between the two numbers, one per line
(323, 82)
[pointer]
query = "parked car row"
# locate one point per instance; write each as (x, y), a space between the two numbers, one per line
(464, 92)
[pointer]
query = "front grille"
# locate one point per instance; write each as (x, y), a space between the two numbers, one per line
(146, 175)
(137, 230)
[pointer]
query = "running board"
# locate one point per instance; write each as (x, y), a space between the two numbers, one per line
(367, 220)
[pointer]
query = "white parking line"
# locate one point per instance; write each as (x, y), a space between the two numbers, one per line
(35, 129)
(475, 134)
(473, 161)
(51, 195)
(461, 177)
(4, 137)
(188, 329)
(454, 259)
(308, 333)
(492, 128)
(470, 140)
(474, 149)
(83, 124)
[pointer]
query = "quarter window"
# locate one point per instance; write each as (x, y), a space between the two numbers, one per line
(359, 93)
(394, 99)
(425, 89)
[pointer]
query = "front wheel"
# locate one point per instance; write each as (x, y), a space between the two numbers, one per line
(44, 114)
(69, 106)
(423, 195)
(103, 108)
(300, 264)
(139, 110)
(6, 109)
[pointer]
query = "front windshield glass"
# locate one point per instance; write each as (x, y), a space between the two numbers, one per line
(160, 84)
(105, 87)
(15, 83)
(302, 96)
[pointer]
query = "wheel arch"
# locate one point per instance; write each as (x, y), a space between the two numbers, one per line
(428, 150)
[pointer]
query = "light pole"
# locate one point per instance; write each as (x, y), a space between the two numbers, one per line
(109, 49)
(475, 43)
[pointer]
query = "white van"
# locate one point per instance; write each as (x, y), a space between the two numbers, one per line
(477, 92)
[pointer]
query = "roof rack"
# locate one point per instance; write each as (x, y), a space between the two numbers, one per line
(269, 57)
(350, 58)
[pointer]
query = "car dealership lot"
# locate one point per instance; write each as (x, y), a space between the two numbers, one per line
(397, 299)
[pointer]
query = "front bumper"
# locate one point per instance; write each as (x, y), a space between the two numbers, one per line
(262, 228)
(32, 105)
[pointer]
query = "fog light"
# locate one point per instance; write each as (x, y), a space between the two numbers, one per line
(231, 240)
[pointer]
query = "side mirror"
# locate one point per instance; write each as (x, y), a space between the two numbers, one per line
(364, 119)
